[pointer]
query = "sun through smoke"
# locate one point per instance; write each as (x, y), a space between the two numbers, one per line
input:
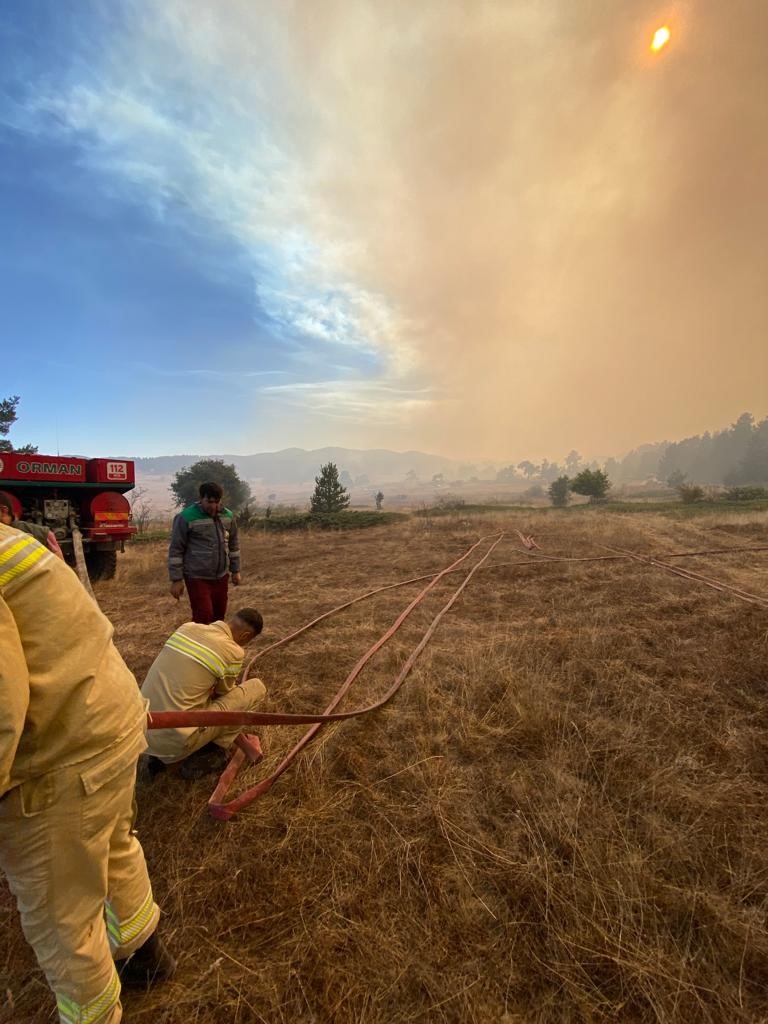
(660, 39)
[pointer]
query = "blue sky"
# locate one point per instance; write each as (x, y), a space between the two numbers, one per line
(479, 231)
(168, 294)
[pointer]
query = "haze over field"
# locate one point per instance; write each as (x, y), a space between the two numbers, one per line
(468, 228)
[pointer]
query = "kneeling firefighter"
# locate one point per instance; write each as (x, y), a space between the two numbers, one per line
(71, 731)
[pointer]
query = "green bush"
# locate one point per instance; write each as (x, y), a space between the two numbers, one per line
(285, 521)
(745, 493)
(559, 491)
(248, 517)
(450, 503)
(347, 520)
(593, 483)
(690, 493)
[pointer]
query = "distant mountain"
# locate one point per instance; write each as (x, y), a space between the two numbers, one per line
(737, 454)
(297, 466)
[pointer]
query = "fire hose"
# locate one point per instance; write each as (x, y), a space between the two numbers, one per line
(528, 563)
(694, 577)
(248, 748)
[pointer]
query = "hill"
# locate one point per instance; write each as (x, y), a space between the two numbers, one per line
(298, 467)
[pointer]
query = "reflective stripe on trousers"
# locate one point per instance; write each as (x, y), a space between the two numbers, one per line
(68, 849)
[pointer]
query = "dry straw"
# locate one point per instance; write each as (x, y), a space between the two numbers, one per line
(560, 819)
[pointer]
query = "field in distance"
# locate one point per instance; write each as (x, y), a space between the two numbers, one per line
(560, 818)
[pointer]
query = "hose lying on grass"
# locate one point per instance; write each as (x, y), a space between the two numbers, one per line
(223, 810)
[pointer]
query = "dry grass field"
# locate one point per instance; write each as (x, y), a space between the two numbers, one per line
(560, 819)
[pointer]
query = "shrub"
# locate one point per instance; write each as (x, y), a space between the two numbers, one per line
(593, 483)
(248, 517)
(690, 493)
(560, 492)
(535, 491)
(450, 503)
(345, 520)
(746, 493)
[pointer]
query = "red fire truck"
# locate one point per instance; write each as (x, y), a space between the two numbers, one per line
(81, 500)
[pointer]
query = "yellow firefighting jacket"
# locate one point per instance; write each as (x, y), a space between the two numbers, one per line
(197, 664)
(67, 695)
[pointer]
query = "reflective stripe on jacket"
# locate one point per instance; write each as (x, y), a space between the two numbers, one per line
(203, 546)
(198, 663)
(68, 696)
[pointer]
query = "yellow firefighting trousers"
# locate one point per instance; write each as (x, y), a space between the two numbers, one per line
(175, 744)
(80, 880)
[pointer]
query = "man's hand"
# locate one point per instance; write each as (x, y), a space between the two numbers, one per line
(236, 579)
(177, 589)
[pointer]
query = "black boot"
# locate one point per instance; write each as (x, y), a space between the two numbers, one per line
(151, 962)
(207, 760)
(149, 767)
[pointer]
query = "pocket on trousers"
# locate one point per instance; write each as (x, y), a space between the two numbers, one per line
(36, 795)
(103, 807)
(108, 768)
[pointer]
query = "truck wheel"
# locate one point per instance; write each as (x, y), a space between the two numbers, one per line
(101, 565)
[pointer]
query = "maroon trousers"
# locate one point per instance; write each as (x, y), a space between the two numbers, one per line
(208, 598)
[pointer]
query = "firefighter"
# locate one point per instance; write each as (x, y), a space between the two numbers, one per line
(71, 731)
(203, 551)
(197, 670)
(41, 533)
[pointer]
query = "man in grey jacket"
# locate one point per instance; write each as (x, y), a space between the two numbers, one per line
(204, 550)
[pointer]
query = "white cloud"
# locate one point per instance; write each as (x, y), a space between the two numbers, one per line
(508, 201)
(158, 119)
(372, 403)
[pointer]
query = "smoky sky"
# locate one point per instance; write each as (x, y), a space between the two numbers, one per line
(573, 229)
(486, 229)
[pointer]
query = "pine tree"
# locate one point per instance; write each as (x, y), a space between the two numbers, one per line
(329, 495)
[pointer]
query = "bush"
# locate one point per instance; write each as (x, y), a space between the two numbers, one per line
(248, 516)
(690, 493)
(560, 492)
(449, 503)
(286, 521)
(593, 483)
(346, 520)
(745, 493)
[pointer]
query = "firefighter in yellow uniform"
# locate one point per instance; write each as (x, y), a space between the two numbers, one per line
(71, 730)
(197, 670)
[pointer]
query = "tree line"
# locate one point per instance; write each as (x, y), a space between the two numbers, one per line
(732, 457)
(735, 457)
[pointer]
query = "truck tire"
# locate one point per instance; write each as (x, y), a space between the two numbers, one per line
(101, 565)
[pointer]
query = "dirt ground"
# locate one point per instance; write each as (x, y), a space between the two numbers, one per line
(560, 818)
